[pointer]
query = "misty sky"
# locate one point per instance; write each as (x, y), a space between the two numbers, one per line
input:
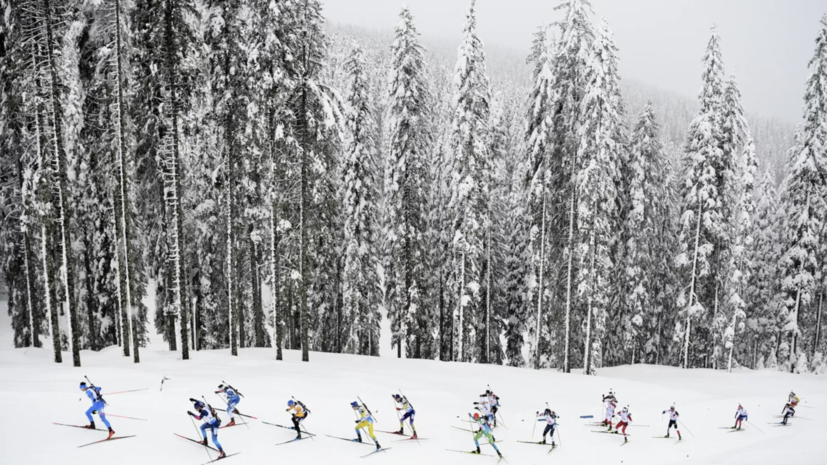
(766, 43)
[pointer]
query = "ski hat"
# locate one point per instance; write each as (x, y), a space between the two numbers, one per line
(354, 404)
(83, 385)
(547, 412)
(488, 391)
(290, 403)
(626, 409)
(221, 386)
(397, 397)
(199, 405)
(476, 416)
(672, 408)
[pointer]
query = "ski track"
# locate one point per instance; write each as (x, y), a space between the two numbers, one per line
(39, 392)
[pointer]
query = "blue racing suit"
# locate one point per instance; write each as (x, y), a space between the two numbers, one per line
(210, 423)
(93, 393)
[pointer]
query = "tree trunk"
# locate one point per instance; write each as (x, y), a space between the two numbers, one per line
(303, 211)
(818, 323)
(274, 273)
(64, 217)
(692, 285)
(569, 270)
(540, 284)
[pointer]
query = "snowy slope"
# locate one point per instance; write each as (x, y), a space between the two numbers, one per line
(38, 392)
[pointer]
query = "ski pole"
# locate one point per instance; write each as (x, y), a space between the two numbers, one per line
(128, 418)
(559, 438)
(755, 427)
(687, 429)
(124, 392)
(162, 382)
(533, 428)
(206, 449)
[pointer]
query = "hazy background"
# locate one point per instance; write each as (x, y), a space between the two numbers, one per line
(766, 43)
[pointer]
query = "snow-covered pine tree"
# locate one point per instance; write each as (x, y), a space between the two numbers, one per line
(408, 141)
(564, 166)
(763, 288)
(600, 151)
(645, 232)
(539, 142)
(176, 36)
(804, 202)
(360, 313)
(702, 223)
(468, 204)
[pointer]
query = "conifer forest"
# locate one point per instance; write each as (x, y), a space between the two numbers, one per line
(243, 173)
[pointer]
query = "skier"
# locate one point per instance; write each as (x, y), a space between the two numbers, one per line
(787, 412)
(611, 404)
(493, 402)
(403, 404)
(300, 412)
(98, 404)
(740, 415)
(625, 419)
(550, 418)
(794, 400)
(232, 400)
(485, 429)
(673, 421)
(484, 408)
(211, 422)
(366, 420)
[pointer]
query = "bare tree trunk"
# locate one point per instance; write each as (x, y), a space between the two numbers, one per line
(818, 323)
(569, 270)
(692, 286)
(540, 285)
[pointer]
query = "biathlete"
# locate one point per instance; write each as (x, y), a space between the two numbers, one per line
(673, 421)
(232, 400)
(211, 422)
(485, 430)
(98, 404)
(485, 409)
(550, 418)
(625, 419)
(740, 415)
(611, 405)
(493, 402)
(402, 403)
(365, 421)
(300, 412)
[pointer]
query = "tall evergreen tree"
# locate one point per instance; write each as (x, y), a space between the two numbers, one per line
(361, 302)
(805, 201)
(407, 142)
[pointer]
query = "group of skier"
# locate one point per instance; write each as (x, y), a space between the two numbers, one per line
(484, 419)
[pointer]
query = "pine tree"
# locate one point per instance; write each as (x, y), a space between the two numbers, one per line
(408, 142)
(469, 182)
(702, 223)
(645, 231)
(359, 281)
(805, 200)
(600, 148)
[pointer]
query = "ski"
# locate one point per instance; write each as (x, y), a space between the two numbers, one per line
(107, 439)
(121, 416)
(287, 427)
(410, 439)
(778, 424)
(609, 432)
(736, 430)
(726, 427)
(463, 429)
(230, 426)
(77, 426)
(222, 458)
(197, 442)
(392, 432)
(536, 443)
(292, 440)
(552, 449)
(663, 437)
(239, 414)
(472, 453)
(792, 417)
(381, 449)
(350, 440)
(624, 443)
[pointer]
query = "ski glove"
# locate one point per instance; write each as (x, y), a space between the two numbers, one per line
(358, 421)
(190, 413)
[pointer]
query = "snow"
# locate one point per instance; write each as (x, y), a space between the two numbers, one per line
(39, 392)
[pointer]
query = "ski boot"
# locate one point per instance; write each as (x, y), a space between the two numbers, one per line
(359, 438)
(235, 410)
(625, 439)
(679, 437)
(231, 423)
(401, 430)
(378, 446)
(476, 451)
(90, 426)
(544, 441)
(733, 427)
(553, 445)
(499, 454)
(667, 436)
(414, 435)
(204, 442)
(111, 433)
(221, 454)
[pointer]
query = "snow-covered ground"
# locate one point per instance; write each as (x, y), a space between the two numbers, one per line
(39, 392)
